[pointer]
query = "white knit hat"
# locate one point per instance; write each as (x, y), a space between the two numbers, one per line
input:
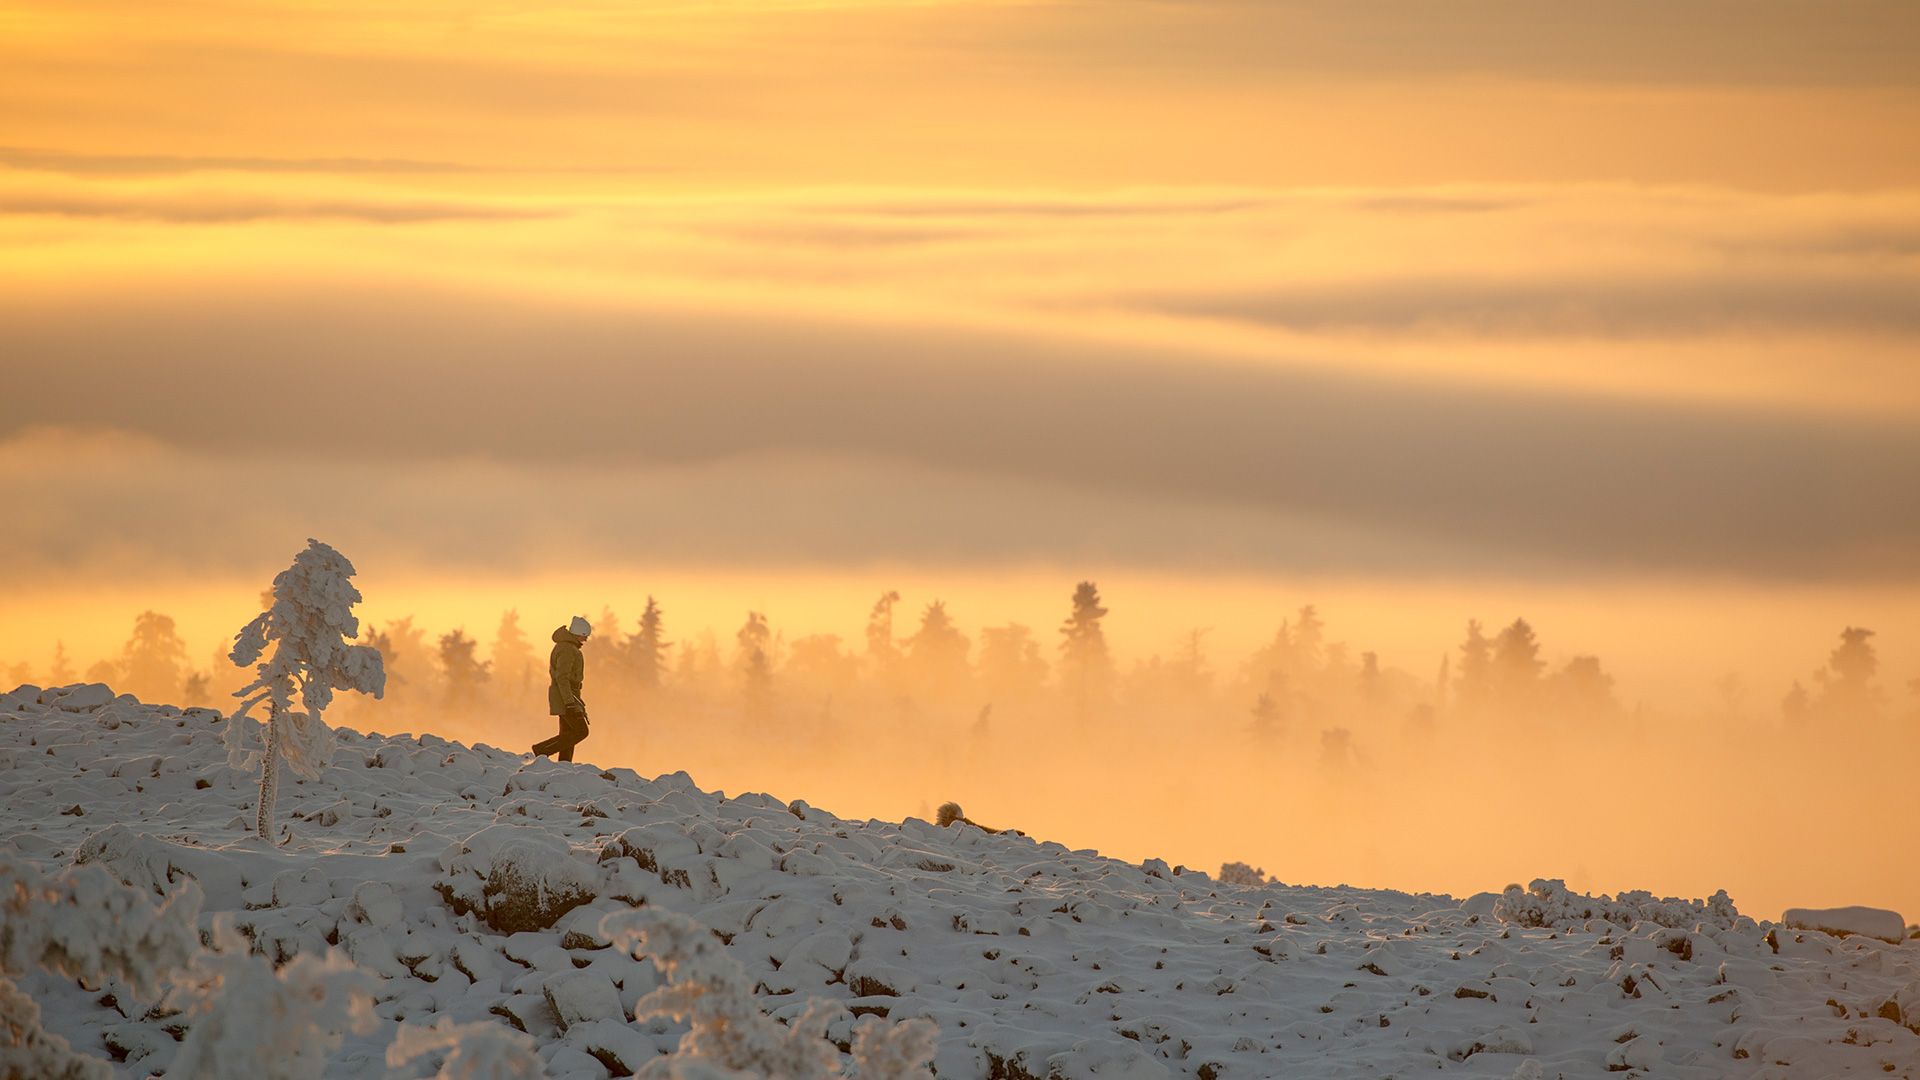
(580, 627)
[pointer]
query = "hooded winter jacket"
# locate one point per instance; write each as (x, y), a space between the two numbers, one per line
(567, 670)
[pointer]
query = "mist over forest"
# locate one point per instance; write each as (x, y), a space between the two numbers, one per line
(1308, 757)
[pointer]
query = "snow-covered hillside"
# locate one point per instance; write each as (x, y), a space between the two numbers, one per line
(474, 885)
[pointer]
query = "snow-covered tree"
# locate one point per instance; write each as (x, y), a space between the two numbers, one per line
(310, 627)
(83, 924)
(251, 1021)
(1239, 873)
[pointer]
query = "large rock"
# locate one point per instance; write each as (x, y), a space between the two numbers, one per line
(581, 996)
(1903, 1008)
(304, 887)
(1878, 923)
(137, 860)
(20, 697)
(516, 879)
(79, 697)
(376, 904)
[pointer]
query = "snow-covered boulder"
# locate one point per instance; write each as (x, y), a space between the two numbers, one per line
(1842, 921)
(376, 904)
(20, 696)
(582, 996)
(137, 860)
(1903, 1008)
(306, 887)
(516, 878)
(77, 698)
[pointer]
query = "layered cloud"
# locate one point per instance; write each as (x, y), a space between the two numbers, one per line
(836, 438)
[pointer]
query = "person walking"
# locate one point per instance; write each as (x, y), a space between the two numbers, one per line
(566, 672)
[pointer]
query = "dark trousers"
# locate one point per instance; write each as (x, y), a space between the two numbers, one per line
(573, 730)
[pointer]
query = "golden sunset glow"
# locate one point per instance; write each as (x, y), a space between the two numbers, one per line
(1607, 316)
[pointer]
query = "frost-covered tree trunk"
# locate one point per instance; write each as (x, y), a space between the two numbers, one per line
(269, 776)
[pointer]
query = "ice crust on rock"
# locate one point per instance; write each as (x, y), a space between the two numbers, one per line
(446, 910)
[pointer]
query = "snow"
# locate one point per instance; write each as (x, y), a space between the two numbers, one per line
(454, 911)
(1871, 922)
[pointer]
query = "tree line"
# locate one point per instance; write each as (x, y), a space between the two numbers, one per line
(909, 664)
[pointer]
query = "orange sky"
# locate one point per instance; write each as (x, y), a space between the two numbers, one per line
(1607, 312)
(1465, 294)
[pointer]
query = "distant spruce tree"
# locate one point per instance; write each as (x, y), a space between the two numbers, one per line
(197, 691)
(1270, 712)
(647, 649)
(1309, 641)
(818, 663)
(1846, 683)
(1516, 666)
(1795, 705)
(1372, 686)
(882, 652)
(1086, 667)
(1582, 690)
(1188, 675)
(1275, 655)
(755, 662)
(937, 653)
(61, 674)
(605, 652)
(464, 674)
(1011, 667)
(153, 663)
(1474, 683)
(513, 658)
(403, 650)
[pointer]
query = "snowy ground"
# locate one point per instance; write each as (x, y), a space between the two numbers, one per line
(433, 865)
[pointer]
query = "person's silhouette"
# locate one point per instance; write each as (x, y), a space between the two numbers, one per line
(566, 672)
